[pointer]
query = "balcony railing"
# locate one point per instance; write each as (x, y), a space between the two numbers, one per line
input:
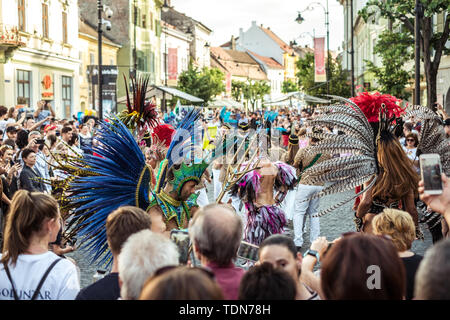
(9, 35)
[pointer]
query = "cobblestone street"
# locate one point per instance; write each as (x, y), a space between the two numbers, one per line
(332, 226)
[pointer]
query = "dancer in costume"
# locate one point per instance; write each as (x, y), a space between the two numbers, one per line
(374, 157)
(173, 196)
(256, 190)
(306, 189)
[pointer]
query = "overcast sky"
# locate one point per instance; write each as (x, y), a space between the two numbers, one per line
(225, 17)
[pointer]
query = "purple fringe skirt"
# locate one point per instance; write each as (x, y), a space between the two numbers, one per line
(263, 222)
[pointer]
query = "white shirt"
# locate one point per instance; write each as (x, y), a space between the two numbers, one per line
(62, 282)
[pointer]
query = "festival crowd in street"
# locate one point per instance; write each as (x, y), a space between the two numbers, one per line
(115, 187)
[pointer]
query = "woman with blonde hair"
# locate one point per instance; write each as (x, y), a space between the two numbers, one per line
(399, 226)
(28, 270)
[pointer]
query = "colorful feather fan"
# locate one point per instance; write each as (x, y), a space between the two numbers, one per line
(119, 176)
(140, 114)
(358, 140)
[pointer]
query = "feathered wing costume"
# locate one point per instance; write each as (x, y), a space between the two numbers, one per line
(116, 176)
(432, 135)
(361, 142)
(358, 140)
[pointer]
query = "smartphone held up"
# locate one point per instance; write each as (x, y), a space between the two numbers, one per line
(431, 171)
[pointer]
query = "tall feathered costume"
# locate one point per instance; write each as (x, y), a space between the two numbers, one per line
(116, 176)
(358, 141)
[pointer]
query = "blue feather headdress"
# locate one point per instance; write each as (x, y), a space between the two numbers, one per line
(180, 148)
(119, 176)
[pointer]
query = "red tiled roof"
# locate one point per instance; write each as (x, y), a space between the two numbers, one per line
(270, 62)
(238, 63)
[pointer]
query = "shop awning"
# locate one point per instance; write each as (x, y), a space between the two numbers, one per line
(158, 92)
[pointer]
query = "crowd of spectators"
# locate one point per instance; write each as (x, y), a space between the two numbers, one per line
(145, 263)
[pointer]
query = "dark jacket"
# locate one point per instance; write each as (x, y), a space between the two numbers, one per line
(31, 180)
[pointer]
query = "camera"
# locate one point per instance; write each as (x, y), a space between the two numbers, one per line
(107, 25)
(108, 12)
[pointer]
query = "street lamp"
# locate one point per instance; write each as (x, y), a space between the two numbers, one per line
(108, 13)
(300, 19)
(165, 8)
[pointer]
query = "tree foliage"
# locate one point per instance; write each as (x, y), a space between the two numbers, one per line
(204, 84)
(252, 91)
(394, 50)
(289, 86)
(339, 84)
(401, 13)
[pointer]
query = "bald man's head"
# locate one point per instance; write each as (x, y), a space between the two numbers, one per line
(216, 231)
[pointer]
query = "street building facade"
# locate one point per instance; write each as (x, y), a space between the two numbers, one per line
(39, 57)
(88, 54)
(200, 34)
(175, 54)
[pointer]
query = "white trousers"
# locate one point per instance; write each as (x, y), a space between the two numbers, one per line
(288, 204)
(202, 199)
(303, 208)
(216, 182)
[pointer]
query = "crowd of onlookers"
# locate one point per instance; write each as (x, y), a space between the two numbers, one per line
(146, 264)
(29, 141)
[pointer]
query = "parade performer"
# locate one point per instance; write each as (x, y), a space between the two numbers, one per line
(120, 176)
(256, 190)
(302, 204)
(174, 194)
(374, 157)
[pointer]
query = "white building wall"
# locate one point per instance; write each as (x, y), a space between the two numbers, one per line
(256, 40)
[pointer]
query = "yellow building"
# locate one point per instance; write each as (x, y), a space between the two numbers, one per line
(88, 51)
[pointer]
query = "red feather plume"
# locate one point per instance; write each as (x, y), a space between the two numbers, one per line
(163, 133)
(370, 105)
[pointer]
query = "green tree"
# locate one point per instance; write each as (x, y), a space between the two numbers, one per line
(255, 91)
(400, 13)
(394, 50)
(289, 86)
(252, 91)
(339, 84)
(237, 89)
(205, 84)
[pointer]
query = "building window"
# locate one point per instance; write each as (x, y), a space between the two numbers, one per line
(24, 87)
(144, 21)
(21, 7)
(67, 95)
(64, 27)
(91, 58)
(45, 20)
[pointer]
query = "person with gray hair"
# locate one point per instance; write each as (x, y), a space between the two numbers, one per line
(432, 278)
(216, 232)
(142, 254)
